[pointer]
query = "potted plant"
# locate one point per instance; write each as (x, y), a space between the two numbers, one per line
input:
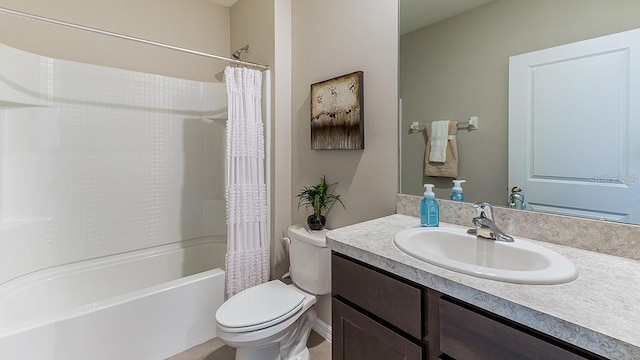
(318, 197)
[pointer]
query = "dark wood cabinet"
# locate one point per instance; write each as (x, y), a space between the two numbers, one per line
(390, 299)
(378, 315)
(467, 334)
(356, 336)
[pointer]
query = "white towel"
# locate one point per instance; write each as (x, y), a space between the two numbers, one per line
(439, 138)
(449, 168)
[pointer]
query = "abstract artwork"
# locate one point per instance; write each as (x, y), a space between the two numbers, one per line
(337, 117)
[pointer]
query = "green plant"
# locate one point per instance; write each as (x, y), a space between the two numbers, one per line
(318, 197)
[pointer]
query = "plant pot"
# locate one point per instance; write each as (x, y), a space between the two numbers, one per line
(315, 223)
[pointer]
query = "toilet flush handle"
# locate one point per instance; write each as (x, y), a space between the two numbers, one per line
(287, 240)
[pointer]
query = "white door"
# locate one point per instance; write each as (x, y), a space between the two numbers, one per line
(574, 127)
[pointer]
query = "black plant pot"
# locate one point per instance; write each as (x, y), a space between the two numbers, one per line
(315, 223)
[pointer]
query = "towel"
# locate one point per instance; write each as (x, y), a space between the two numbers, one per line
(449, 166)
(439, 139)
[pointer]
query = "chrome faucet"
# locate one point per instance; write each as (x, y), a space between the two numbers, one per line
(485, 226)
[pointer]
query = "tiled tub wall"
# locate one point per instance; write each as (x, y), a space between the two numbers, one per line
(593, 235)
(96, 161)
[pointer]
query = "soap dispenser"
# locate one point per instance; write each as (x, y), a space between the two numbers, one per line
(429, 208)
(456, 193)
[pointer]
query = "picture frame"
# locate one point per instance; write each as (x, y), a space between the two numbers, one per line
(337, 113)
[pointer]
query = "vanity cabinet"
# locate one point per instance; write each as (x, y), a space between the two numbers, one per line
(374, 315)
(378, 315)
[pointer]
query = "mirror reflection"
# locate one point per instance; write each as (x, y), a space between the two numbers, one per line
(457, 66)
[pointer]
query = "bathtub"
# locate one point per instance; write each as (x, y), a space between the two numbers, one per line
(147, 304)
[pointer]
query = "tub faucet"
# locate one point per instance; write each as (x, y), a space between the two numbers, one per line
(485, 226)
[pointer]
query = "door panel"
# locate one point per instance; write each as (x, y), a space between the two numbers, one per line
(573, 127)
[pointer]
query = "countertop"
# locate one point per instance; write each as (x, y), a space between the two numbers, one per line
(599, 311)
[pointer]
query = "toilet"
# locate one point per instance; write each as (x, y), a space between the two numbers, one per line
(272, 321)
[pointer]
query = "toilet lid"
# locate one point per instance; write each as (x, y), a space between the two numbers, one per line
(260, 306)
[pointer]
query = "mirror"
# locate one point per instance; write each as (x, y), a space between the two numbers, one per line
(458, 67)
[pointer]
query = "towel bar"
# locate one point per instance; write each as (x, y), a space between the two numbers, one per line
(472, 124)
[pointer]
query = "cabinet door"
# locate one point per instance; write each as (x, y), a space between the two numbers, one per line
(379, 294)
(357, 337)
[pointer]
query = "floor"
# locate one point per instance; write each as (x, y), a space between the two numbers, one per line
(214, 349)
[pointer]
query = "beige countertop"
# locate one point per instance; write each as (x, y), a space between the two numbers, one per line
(599, 311)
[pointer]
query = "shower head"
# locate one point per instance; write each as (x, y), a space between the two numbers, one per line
(236, 54)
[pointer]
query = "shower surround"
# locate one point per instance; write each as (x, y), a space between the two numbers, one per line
(96, 161)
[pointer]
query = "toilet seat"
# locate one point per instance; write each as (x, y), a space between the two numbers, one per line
(259, 307)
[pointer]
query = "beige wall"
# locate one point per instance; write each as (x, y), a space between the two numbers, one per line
(459, 67)
(282, 157)
(252, 23)
(195, 24)
(331, 38)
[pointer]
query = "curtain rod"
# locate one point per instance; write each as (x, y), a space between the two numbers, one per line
(127, 37)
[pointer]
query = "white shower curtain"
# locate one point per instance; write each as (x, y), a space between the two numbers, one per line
(247, 260)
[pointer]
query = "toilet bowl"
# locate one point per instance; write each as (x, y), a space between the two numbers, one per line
(272, 321)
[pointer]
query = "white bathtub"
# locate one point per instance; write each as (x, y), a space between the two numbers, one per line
(147, 304)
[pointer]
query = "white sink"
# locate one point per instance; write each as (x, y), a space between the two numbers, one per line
(520, 261)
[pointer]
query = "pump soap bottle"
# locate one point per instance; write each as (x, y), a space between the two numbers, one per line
(429, 208)
(456, 193)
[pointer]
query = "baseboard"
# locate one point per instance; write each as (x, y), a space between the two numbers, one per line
(323, 329)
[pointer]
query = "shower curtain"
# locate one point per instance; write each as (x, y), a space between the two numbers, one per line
(247, 259)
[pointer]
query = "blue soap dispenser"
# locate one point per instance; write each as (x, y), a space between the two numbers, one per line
(456, 193)
(429, 208)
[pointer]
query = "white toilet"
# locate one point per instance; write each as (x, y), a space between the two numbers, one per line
(272, 321)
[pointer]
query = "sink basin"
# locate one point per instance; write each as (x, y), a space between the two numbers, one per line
(520, 261)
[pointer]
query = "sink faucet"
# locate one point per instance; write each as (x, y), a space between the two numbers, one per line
(485, 226)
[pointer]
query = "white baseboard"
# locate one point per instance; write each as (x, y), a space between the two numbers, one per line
(323, 329)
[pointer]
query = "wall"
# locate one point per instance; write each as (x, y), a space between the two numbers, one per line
(281, 174)
(331, 38)
(195, 24)
(459, 67)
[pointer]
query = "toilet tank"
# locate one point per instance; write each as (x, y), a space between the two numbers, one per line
(310, 260)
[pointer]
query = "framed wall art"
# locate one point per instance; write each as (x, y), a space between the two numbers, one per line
(337, 117)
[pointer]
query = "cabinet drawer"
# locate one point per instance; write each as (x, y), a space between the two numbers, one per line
(392, 300)
(466, 334)
(357, 337)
